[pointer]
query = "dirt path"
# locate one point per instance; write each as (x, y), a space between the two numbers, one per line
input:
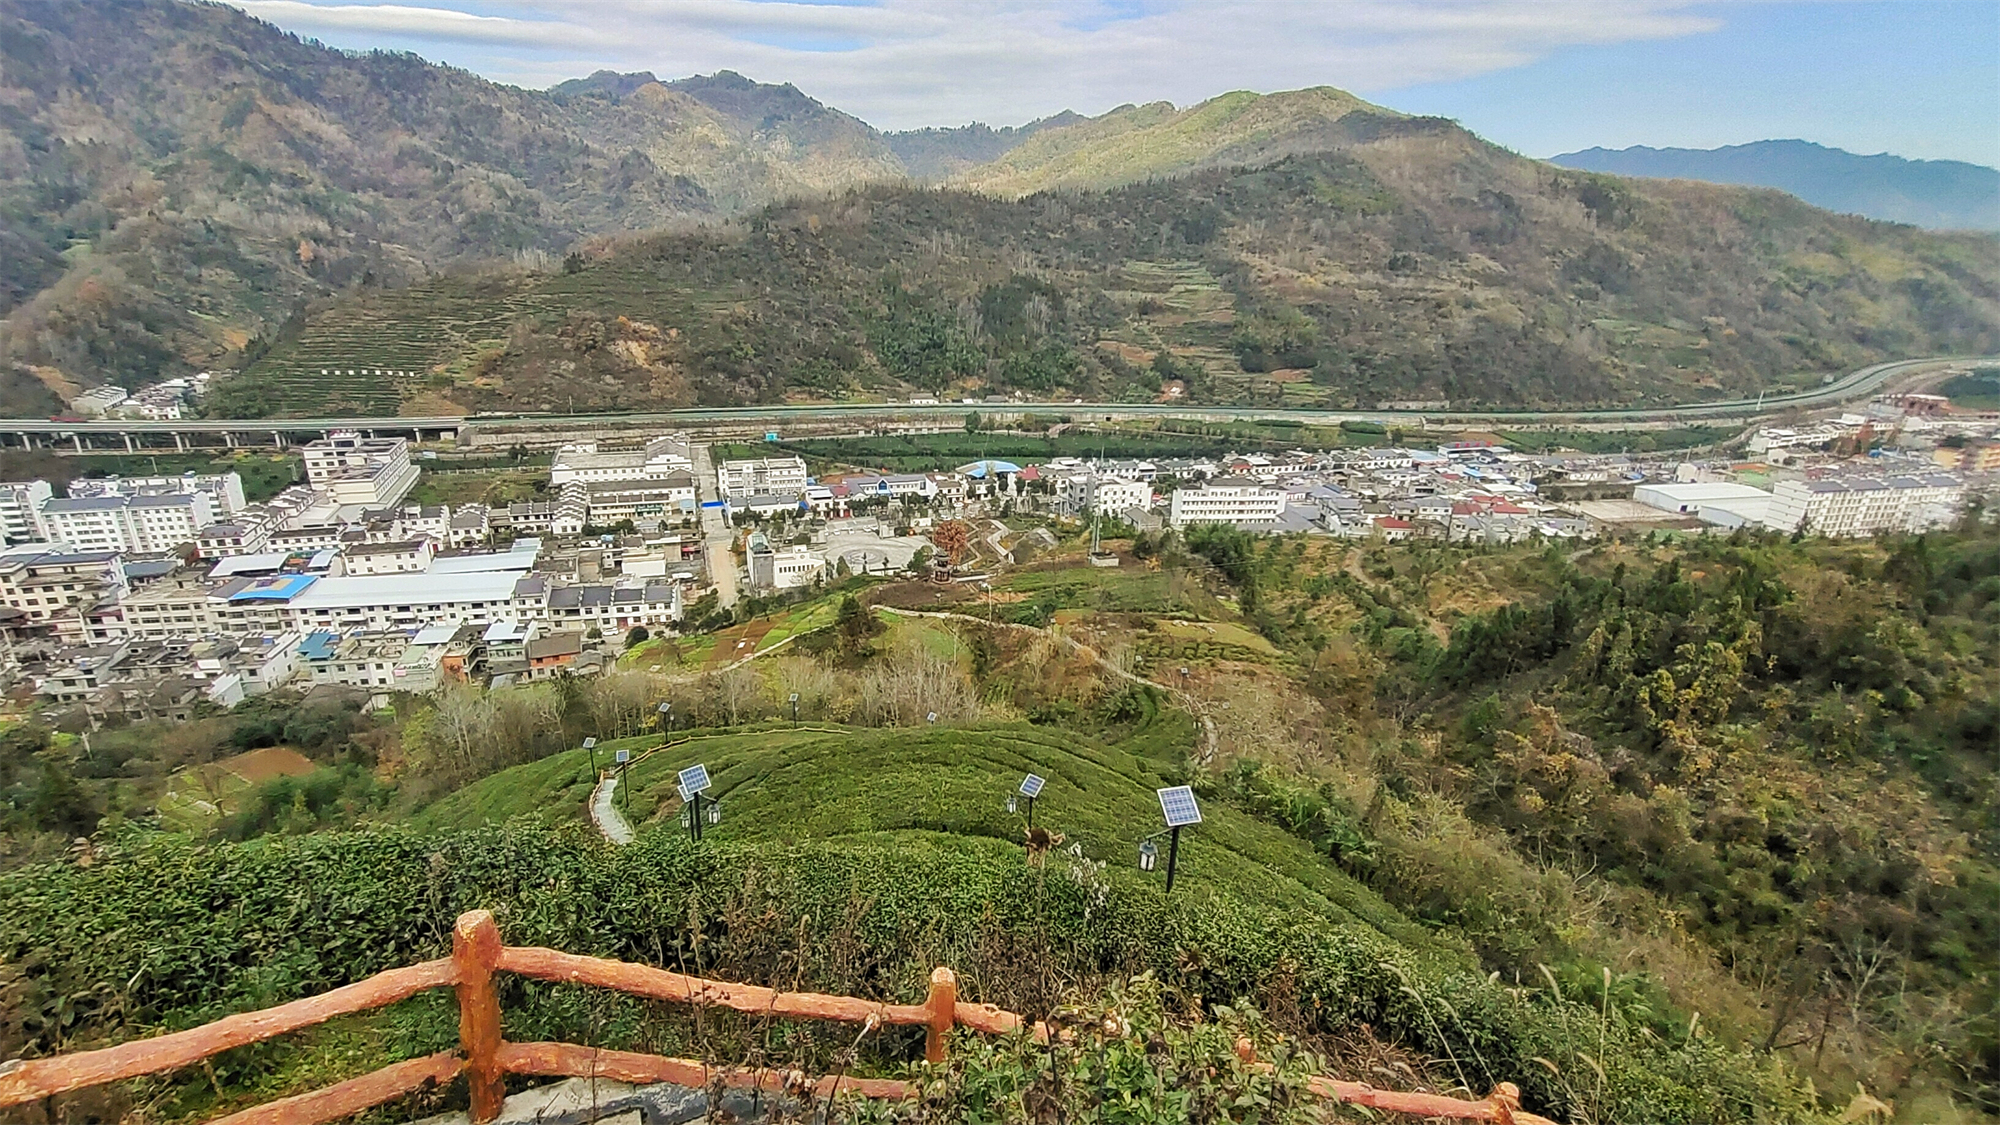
(1194, 706)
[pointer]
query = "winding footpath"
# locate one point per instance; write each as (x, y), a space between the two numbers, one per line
(604, 811)
(1194, 706)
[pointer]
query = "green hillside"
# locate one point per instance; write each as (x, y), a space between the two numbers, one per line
(1135, 143)
(817, 783)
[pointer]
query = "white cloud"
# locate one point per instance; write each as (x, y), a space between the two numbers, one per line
(906, 63)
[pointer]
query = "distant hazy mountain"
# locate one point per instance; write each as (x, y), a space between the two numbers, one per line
(1939, 194)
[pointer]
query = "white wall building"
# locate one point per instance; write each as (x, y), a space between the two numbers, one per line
(761, 477)
(782, 568)
(370, 472)
(408, 556)
(224, 490)
(1866, 505)
(1225, 500)
(139, 525)
(21, 510)
(584, 461)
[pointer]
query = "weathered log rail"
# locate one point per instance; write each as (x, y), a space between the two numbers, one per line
(485, 1058)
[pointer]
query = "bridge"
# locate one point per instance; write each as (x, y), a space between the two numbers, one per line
(135, 436)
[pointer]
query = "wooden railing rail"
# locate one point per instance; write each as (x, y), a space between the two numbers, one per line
(485, 1058)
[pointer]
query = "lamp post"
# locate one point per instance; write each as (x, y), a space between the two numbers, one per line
(1177, 805)
(693, 782)
(666, 713)
(624, 758)
(1031, 788)
(795, 709)
(590, 744)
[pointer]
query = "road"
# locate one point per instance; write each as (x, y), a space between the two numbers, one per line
(715, 531)
(1855, 384)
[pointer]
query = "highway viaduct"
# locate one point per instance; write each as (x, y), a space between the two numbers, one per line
(472, 431)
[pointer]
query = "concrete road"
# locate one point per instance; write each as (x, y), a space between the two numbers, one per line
(716, 533)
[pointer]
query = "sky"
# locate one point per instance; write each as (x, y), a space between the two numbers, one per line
(1915, 78)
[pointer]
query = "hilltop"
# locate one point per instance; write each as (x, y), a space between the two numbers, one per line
(1133, 143)
(1940, 194)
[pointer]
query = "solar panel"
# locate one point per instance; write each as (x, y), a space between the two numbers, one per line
(624, 756)
(1031, 786)
(685, 795)
(590, 744)
(1179, 807)
(694, 779)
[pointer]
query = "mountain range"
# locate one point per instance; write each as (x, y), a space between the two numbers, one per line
(182, 186)
(1939, 194)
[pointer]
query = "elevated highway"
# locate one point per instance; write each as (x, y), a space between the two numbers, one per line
(132, 435)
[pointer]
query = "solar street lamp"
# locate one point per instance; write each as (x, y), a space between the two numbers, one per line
(666, 713)
(1177, 805)
(624, 791)
(590, 744)
(1031, 788)
(693, 782)
(795, 708)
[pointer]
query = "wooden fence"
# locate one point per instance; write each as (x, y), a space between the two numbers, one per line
(486, 1059)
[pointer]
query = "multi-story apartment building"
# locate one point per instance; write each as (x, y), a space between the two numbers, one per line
(370, 472)
(21, 510)
(138, 525)
(761, 476)
(1866, 505)
(1225, 500)
(1077, 493)
(224, 490)
(47, 585)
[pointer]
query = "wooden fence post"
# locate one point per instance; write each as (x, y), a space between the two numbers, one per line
(475, 950)
(1506, 1101)
(943, 1007)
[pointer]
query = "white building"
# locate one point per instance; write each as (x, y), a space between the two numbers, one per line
(98, 400)
(1866, 505)
(1225, 500)
(408, 556)
(139, 525)
(762, 476)
(782, 568)
(370, 472)
(1721, 503)
(584, 461)
(21, 510)
(1081, 492)
(224, 490)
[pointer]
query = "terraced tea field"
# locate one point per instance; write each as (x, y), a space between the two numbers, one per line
(781, 785)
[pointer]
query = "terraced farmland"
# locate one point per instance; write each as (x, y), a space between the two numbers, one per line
(432, 331)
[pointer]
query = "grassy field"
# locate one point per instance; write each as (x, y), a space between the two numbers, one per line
(486, 486)
(780, 785)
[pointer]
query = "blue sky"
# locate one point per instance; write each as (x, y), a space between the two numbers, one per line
(1914, 78)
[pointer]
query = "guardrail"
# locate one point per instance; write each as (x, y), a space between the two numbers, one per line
(485, 1058)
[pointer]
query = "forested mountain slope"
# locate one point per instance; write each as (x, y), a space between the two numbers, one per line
(173, 176)
(182, 186)
(1418, 263)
